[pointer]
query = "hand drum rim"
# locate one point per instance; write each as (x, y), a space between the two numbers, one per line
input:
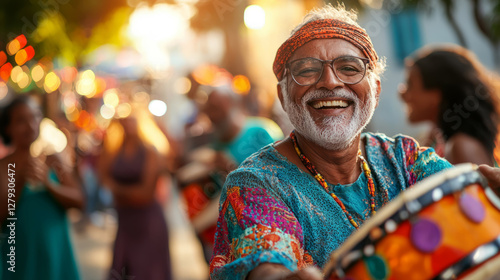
(405, 205)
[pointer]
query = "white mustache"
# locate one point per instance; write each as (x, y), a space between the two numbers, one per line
(335, 93)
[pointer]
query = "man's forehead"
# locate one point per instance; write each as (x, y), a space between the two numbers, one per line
(326, 49)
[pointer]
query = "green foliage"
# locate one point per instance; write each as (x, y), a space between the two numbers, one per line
(495, 19)
(67, 28)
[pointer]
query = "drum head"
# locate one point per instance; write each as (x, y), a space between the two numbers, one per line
(402, 207)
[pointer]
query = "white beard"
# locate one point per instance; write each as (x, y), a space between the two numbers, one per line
(334, 132)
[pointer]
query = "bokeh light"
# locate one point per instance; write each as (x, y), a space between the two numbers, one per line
(182, 85)
(15, 45)
(212, 75)
(141, 97)
(107, 112)
(24, 55)
(151, 133)
(24, 80)
(100, 85)
(5, 71)
(3, 90)
(157, 107)
(52, 82)
(254, 17)
(69, 100)
(3, 58)
(83, 120)
(147, 31)
(37, 73)
(68, 74)
(72, 113)
(86, 84)
(21, 57)
(15, 74)
(123, 110)
(111, 98)
(51, 139)
(241, 84)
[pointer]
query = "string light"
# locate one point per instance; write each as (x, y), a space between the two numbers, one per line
(52, 82)
(5, 71)
(37, 73)
(15, 45)
(3, 58)
(254, 17)
(157, 107)
(241, 84)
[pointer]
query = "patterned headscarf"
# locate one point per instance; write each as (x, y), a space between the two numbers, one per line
(324, 29)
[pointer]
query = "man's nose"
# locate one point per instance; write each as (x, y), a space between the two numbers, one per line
(328, 78)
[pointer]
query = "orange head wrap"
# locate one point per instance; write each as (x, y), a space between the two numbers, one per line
(324, 29)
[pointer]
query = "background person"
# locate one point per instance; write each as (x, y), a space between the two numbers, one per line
(448, 87)
(44, 189)
(131, 173)
(235, 136)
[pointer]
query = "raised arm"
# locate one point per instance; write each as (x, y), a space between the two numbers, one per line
(65, 190)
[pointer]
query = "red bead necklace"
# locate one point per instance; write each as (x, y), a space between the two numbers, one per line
(364, 166)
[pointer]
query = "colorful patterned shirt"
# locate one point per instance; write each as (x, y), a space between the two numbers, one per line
(272, 211)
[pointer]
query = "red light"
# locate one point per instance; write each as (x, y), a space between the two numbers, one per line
(30, 52)
(22, 41)
(5, 71)
(3, 58)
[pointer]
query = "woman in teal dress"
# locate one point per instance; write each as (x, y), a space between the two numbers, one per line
(44, 189)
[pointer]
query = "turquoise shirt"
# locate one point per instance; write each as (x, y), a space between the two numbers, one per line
(255, 134)
(272, 211)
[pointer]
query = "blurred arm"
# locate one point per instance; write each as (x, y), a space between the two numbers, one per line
(68, 193)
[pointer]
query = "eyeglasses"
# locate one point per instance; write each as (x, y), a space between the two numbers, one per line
(348, 69)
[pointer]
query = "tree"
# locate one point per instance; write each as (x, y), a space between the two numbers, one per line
(225, 15)
(487, 23)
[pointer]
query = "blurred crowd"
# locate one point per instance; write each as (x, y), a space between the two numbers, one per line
(131, 163)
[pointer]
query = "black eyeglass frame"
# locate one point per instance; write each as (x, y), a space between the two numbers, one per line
(330, 62)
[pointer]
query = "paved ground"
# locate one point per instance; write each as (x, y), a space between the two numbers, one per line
(93, 246)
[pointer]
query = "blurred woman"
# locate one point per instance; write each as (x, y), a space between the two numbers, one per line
(131, 173)
(451, 89)
(42, 190)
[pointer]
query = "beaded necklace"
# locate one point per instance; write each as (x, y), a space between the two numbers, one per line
(364, 166)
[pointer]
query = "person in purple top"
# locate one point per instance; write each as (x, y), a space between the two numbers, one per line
(141, 246)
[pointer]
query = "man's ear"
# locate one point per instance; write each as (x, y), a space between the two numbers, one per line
(280, 96)
(378, 90)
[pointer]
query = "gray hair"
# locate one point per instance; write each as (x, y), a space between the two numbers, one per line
(350, 17)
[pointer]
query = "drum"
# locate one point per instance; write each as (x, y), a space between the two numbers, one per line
(445, 227)
(200, 185)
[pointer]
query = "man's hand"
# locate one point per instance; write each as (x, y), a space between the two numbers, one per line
(271, 271)
(309, 273)
(493, 176)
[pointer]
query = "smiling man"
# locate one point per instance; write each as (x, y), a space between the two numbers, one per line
(290, 205)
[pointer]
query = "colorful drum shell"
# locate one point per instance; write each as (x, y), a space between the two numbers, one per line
(429, 241)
